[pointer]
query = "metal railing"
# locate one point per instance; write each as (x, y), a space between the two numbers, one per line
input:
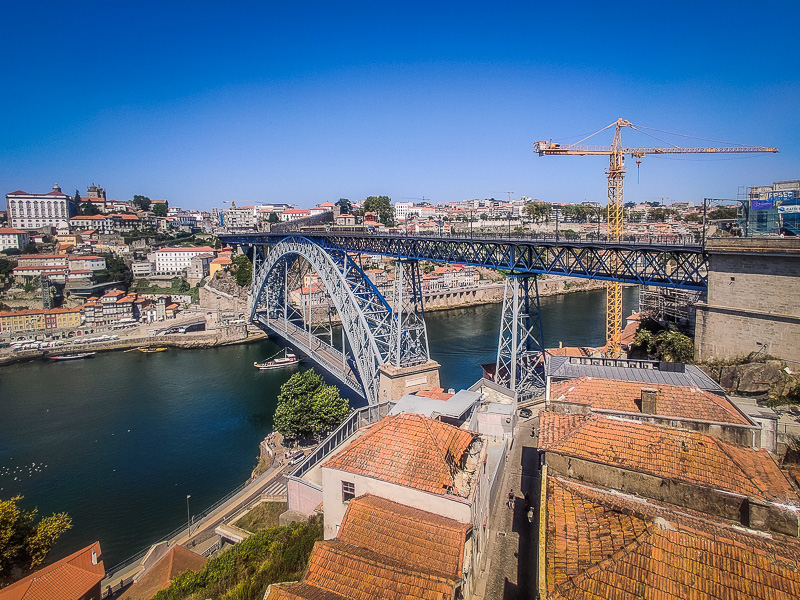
(357, 419)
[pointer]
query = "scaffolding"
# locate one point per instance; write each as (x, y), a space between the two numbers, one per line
(770, 210)
(669, 306)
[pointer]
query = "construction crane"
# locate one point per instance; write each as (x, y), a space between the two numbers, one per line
(616, 174)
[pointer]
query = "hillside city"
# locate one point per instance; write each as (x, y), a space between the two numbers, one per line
(670, 470)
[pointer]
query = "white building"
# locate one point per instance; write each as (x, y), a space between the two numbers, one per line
(401, 210)
(172, 261)
(86, 263)
(33, 211)
(13, 238)
(293, 214)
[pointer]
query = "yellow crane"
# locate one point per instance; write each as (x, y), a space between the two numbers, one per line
(616, 174)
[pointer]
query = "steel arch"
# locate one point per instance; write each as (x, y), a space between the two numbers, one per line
(367, 319)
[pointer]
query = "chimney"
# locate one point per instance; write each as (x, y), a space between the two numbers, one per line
(94, 557)
(649, 401)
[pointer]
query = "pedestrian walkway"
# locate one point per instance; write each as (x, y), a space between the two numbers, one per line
(511, 568)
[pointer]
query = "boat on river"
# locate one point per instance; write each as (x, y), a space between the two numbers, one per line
(149, 350)
(71, 356)
(288, 359)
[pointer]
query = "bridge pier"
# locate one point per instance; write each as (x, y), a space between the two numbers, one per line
(520, 354)
(394, 382)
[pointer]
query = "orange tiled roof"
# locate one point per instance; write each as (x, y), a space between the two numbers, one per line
(337, 569)
(69, 578)
(424, 541)
(687, 456)
(409, 450)
(570, 351)
(434, 394)
(673, 400)
(175, 562)
(603, 546)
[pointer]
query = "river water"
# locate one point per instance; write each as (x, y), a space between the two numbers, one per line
(120, 440)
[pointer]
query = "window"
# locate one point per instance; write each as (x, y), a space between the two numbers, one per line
(348, 491)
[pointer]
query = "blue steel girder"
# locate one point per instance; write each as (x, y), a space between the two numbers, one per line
(367, 319)
(678, 266)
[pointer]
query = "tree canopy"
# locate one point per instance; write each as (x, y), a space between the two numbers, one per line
(242, 270)
(345, 206)
(537, 211)
(382, 206)
(25, 543)
(724, 212)
(669, 344)
(116, 270)
(142, 202)
(273, 218)
(306, 406)
(160, 210)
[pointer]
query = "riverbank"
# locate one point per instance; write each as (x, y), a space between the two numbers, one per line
(228, 336)
(493, 293)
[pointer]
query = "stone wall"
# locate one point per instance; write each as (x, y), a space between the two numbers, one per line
(752, 303)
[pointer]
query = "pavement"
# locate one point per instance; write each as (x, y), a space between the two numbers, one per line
(511, 568)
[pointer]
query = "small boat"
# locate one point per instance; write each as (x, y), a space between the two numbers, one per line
(149, 350)
(71, 356)
(286, 360)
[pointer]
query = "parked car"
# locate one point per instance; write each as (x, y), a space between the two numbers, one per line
(525, 412)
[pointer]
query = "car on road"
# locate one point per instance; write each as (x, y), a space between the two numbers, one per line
(525, 412)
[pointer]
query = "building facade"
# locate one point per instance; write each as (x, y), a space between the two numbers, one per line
(33, 211)
(13, 239)
(172, 261)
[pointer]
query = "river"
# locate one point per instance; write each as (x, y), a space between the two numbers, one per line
(120, 440)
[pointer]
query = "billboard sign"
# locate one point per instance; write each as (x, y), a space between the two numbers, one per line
(789, 210)
(761, 204)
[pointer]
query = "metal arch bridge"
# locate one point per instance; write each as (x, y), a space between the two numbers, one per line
(393, 332)
(379, 333)
(665, 264)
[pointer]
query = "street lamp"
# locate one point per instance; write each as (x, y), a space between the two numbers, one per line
(188, 521)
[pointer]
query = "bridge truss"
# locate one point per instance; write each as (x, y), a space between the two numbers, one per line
(680, 266)
(378, 331)
(382, 332)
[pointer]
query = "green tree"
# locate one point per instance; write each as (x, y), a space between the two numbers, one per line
(724, 212)
(306, 406)
(273, 218)
(381, 206)
(183, 285)
(668, 344)
(160, 210)
(142, 202)
(116, 270)
(345, 206)
(537, 211)
(693, 218)
(25, 543)
(242, 270)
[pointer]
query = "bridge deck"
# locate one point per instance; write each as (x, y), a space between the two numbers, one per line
(325, 355)
(645, 261)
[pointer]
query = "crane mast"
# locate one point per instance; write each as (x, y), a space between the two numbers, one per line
(616, 176)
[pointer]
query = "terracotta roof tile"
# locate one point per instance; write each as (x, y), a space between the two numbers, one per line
(172, 564)
(409, 450)
(602, 546)
(350, 571)
(69, 578)
(686, 456)
(673, 400)
(427, 542)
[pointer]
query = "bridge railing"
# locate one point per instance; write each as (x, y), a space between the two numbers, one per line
(357, 419)
(290, 226)
(296, 335)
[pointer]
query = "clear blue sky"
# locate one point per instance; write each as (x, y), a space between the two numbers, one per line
(303, 102)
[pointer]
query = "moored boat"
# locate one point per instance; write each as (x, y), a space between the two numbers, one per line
(286, 360)
(149, 350)
(71, 356)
